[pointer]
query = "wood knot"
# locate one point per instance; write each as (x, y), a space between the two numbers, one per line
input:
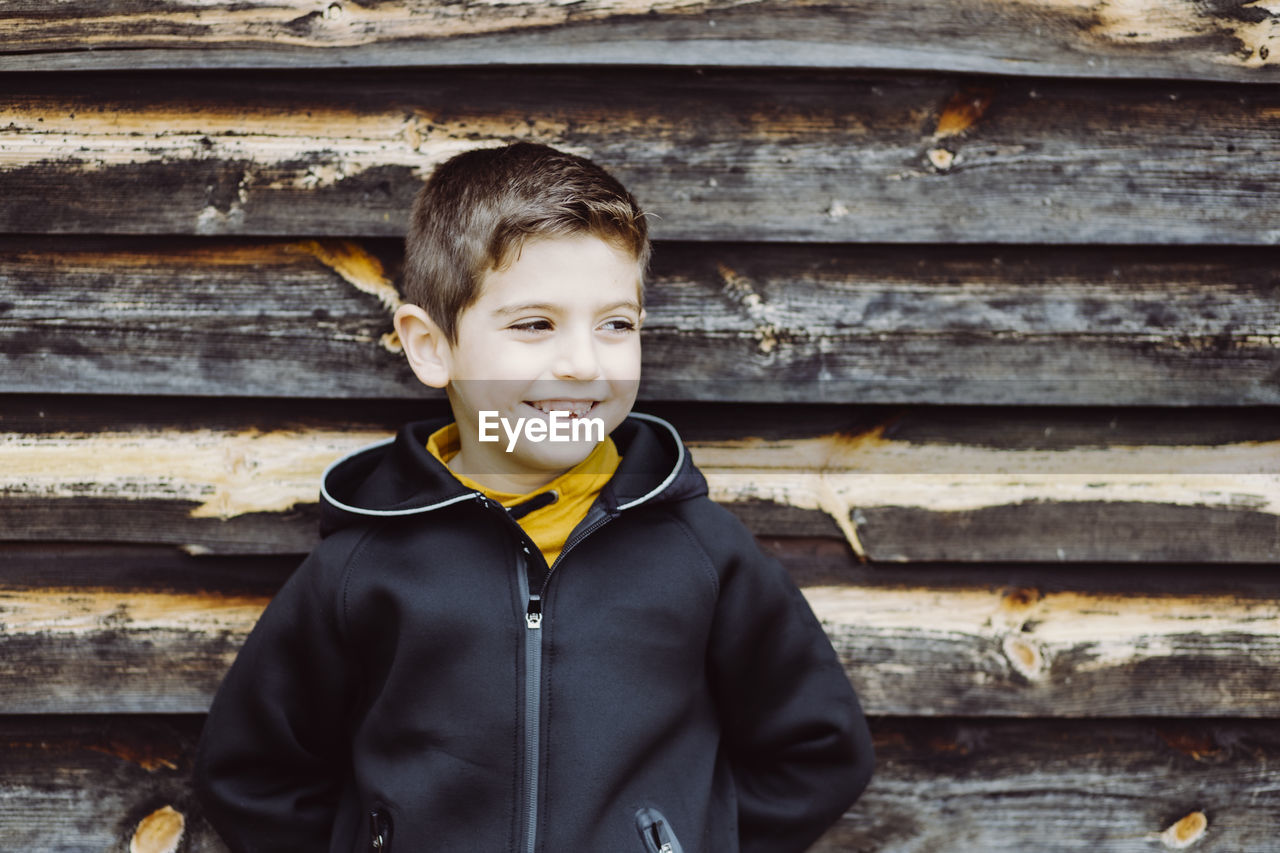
(159, 832)
(962, 111)
(941, 158)
(1185, 832)
(1020, 597)
(1025, 656)
(1016, 606)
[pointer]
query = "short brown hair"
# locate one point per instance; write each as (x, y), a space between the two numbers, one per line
(478, 208)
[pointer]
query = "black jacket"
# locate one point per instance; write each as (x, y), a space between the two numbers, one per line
(665, 683)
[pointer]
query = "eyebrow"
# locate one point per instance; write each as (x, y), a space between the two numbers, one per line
(548, 308)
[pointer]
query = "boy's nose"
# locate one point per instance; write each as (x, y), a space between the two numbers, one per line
(577, 358)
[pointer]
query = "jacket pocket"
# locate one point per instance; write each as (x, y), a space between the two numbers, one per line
(379, 830)
(656, 832)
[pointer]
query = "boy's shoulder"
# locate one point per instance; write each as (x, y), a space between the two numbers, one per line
(393, 478)
(724, 536)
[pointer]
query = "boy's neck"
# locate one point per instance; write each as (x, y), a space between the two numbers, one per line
(501, 481)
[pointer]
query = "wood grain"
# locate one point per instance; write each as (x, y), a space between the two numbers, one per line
(967, 785)
(740, 155)
(1162, 38)
(908, 649)
(1089, 497)
(69, 784)
(83, 650)
(969, 310)
(837, 324)
(73, 784)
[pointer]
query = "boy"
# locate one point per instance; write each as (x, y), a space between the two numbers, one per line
(526, 644)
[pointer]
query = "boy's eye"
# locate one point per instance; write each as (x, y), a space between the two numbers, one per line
(620, 325)
(531, 325)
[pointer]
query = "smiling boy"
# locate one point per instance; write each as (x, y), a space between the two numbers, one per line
(531, 645)
(558, 329)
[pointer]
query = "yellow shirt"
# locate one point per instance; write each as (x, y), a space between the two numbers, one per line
(548, 526)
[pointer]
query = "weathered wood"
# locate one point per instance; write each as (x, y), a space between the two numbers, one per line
(962, 785)
(88, 651)
(151, 568)
(302, 318)
(790, 323)
(811, 562)
(894, 500)
(908, 649)
(953, 786)
(824, 562)
(1170, 38)
(717, 154)
(1031, 428)
(68, 785)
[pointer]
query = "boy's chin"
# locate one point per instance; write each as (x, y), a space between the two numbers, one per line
(552, 458)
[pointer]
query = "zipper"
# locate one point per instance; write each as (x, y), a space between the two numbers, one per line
(656, 832)
(533, 655)
(380, 830)
(533, 672)
(532, 702)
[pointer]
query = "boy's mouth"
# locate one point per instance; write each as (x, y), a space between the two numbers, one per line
(573, 408)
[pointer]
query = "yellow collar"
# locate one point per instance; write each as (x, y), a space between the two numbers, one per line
(576, 489)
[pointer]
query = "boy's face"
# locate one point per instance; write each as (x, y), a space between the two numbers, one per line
(557, 329)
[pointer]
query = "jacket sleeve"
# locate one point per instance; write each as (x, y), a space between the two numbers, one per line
(271, 760)
(798, 741)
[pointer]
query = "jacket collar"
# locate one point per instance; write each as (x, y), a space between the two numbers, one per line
(400, 477)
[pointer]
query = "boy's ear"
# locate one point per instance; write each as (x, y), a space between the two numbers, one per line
(642, 316)
(425, 345)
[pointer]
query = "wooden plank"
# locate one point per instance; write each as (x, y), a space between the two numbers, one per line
(1091, 497)
(822, 562)
(1035, 428)
(201, 318)
(154, 568)
(811, 562)
(82, 650)
(952, 786)
(1171, 39)
(68, 785)
(717, 154)
(908, 648)
(964, 785)
(944, 325)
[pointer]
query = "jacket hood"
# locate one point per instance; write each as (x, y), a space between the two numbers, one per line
(400, 477)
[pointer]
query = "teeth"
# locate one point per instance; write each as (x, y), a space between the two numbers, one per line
(575, 409)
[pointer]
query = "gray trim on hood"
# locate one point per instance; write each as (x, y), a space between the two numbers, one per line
(675, 469)
(359, 510)
(337, 504)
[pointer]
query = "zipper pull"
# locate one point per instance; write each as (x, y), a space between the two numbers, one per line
(656, 832)
(533, 617)
(379, 831)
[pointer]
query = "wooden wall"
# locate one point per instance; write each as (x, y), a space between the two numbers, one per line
(970, 309)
